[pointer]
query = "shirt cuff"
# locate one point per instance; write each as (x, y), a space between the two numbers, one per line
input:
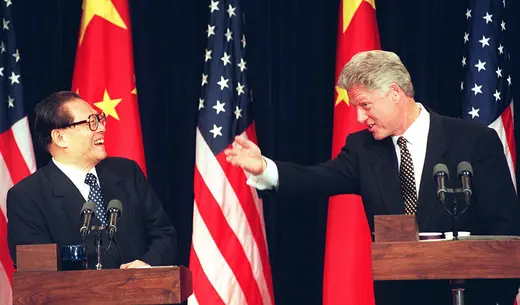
(266, 180)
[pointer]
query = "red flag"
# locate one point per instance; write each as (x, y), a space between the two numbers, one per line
(348, 259)
(16, 149)
(104, 75)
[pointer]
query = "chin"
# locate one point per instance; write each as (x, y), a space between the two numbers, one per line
(379, 136)
(101, 156)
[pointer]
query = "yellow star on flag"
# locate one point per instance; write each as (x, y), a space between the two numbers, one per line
(349, 9)
(134, 91)
(108, 105)
(102, 8)
(342, 96)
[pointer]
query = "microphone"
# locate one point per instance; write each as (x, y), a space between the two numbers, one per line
(87, 213)
(440, 175)
(465, 173)
(114, 210)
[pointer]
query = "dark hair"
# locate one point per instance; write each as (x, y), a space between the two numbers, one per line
(51, 114)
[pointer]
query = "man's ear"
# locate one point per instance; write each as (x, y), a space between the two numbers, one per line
(59, 138)
(395, 92)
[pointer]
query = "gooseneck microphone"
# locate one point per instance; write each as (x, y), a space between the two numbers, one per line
(87, 213)
(440, 175)
(114, 210)
(465, 173)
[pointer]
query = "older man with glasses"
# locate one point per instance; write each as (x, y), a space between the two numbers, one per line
(45, 207)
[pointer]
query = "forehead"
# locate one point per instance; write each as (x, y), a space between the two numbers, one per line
(79, 109)
(359, 93)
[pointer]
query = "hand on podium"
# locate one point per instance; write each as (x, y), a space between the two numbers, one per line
(135, 264)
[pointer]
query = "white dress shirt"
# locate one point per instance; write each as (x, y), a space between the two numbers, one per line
(77, 177)
(416, 136)
(416, 140)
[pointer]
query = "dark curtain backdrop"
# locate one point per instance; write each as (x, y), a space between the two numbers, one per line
(291, 67)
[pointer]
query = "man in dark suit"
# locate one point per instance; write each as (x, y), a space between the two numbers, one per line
(45, 207)
(390, 163)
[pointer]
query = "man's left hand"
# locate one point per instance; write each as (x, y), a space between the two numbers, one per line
(135, 264)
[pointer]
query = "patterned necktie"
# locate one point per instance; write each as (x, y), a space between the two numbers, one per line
(407, 177)
(96, 196)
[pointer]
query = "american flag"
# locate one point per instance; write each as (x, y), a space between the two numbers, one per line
(16, 149)
(229, 258)
(487, 88)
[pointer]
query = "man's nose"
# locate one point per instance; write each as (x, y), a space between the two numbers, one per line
(361, 116)
(101, 127)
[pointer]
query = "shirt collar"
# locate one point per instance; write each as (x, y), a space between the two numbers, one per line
(418, 131)
(77, 176)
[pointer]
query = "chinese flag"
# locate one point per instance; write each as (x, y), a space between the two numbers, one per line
(104, 75)
(348, 258)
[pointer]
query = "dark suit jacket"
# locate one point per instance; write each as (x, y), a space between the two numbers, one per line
(368, 167)
(45, 208)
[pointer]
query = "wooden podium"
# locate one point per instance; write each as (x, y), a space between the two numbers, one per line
(469, 258)
(398, 254)
(38, 281)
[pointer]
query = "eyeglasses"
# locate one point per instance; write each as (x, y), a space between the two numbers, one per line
(93, 121)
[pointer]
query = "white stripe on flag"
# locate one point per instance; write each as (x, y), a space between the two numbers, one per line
(213, 175)
(6, 296)
(213, 263)
(498, 126)
(192, 300)
(23, 139)
(5, 184)
(258, 202)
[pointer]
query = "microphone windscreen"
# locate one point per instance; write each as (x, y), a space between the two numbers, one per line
(115, 204)
(464, 167)
(441, 168)
(88, 206)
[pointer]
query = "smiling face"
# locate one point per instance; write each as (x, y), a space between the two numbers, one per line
(81, 145)
(383, 114)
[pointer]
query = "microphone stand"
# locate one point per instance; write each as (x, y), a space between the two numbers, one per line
(457, 285)
(99, 243)
(455, 209)
(455, 214)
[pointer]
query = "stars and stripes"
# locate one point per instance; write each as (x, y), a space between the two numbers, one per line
(16, 149)
(487, 87)
(229, 258)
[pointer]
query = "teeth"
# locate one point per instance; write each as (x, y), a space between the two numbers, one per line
(98, 142)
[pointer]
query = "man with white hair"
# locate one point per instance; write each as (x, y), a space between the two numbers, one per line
(390, 164)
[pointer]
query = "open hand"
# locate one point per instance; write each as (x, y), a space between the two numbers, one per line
(135, 264)
(246, 155)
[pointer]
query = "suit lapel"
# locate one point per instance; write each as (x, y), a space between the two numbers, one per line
(113, 188)
(66, 194)
(386, 175)
(68, 197)
(435, 149)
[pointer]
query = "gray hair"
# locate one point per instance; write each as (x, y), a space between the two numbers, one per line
(376, 70)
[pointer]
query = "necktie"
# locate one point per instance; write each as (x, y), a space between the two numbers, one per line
(96, 196)
(407, 177)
